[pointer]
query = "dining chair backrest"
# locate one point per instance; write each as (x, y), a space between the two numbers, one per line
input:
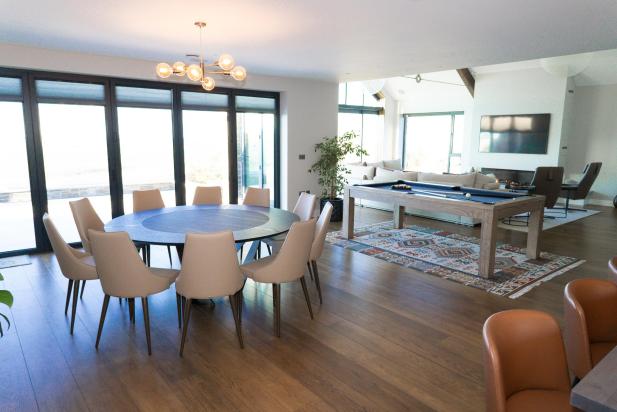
(70, 265)
(147, 200)
(256, 196)
(321, 230)
(85, 218)
(210, 266)
(290, 262)
(305, 206)
(523, 351)
(121, 270)
(208, 195)
(590, 325)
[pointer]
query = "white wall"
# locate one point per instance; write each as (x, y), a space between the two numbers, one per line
(308, 107)
(594, 138)
(518, 92)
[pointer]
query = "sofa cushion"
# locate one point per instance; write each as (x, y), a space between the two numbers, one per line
(394, 164)
(375, 164)
(467, 179)
(361, 172)
(385, 175)
(485, 182)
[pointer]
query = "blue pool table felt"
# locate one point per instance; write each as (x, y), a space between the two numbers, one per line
(485, 196)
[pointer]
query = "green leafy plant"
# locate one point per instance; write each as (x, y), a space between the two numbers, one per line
(332, 172)
(6, 298)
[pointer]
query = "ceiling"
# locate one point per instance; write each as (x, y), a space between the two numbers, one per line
(342, 39)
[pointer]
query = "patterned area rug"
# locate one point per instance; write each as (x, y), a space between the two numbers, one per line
(455, 257)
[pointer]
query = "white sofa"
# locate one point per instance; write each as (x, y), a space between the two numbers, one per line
(391, 170)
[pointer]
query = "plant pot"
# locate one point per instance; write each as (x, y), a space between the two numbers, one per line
(337, 211)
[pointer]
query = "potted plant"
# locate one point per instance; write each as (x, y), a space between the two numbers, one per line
(332, 172)
(6, 298)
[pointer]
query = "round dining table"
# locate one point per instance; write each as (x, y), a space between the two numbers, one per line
(170, 225)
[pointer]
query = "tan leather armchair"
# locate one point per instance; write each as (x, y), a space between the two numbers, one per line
(525, 363)
(124, 275)
(85, 218)
(286, 266)
(210, 269)
(590, 308)
(208, 195)
(321, 230)
(74, 264)
(149, 200)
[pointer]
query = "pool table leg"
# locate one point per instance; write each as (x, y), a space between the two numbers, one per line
(487, 244)
(349, 204)
(534, 230)
(399, 216)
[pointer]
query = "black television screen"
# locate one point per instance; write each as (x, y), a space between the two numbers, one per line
(520, 133)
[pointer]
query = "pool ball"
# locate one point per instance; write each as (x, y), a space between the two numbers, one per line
(468, 195)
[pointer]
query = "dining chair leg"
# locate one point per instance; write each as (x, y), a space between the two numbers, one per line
(179, 307)
(310, 269)
(144, 307)
(83, 286)
(258, 249)
(102, 321)
(148, 255)
(120, 300)
(240, 298)
(276, 295)
(75, 297)
(233, 302)
(132, 310)
(315, 272)
(169, 254)
(241, 252)
(269, 249)
(306, 296)
(187, 315)
(68, 296)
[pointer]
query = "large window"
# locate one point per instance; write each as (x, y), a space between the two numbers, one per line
(363, 114)
(66, 136)
(74, 141)
(206, 142)
(16, 223)
(255, 122)
(146, 142)
(434, 142)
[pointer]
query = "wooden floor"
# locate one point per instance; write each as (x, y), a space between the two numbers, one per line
(386, 338)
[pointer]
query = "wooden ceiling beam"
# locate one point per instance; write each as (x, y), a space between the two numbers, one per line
(467, 79)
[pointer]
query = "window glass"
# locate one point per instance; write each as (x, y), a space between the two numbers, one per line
(136, 96)
(69, 90)
(15, 201)
(251, 103)
(196, 99)
(206, 151)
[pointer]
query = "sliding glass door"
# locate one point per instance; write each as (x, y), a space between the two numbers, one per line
(255, 145)
(205, 134)
(146, 142)
(66, 136)
(74, 142)
(16, 222)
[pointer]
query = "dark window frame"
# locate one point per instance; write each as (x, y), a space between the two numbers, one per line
(36, 167)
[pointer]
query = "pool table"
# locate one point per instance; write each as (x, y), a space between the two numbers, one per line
(488, 206)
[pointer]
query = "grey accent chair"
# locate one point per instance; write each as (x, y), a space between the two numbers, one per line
(580, 190)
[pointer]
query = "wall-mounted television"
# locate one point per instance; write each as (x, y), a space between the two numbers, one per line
(517, 133)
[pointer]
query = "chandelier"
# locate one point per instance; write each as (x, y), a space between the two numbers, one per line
(202, 71)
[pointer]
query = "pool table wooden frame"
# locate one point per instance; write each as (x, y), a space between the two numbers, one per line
(488, 214)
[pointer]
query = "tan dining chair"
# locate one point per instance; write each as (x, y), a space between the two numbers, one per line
(149, 200)
(321, 230)
(85, 218)
(74, 264)
(525, 364)
(286, 266)
(590, 323)
(208, 195)
(304, 208)
(257, 196)
(123, 274)
(210, 269)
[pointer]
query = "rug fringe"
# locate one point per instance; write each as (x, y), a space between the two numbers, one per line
(540, 281)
